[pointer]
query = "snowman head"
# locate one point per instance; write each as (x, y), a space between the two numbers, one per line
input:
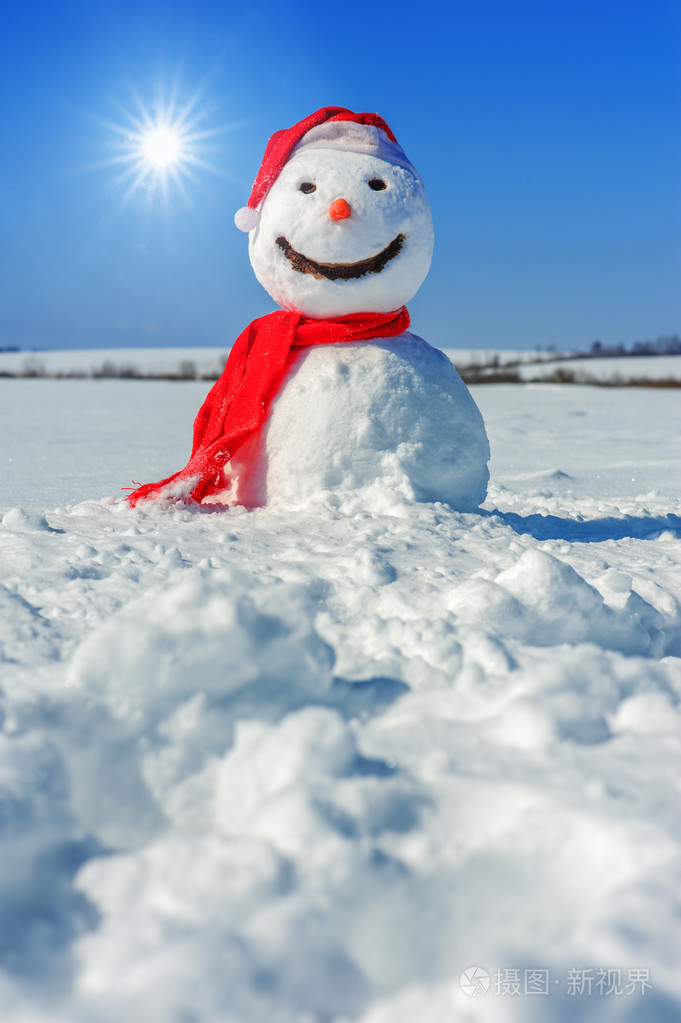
(338, 218)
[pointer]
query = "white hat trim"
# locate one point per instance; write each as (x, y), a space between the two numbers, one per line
(353, 137)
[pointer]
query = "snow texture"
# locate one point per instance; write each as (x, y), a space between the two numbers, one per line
(367, 422)
(377, 218)
(116, 362)
(189, 363)
(308, 765)
(611, 370)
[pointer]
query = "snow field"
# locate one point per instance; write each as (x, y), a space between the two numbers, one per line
(611, 370)
(204, 363)
(116, 362)
(300, 765)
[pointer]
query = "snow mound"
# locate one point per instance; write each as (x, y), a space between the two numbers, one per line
(184, 665)
(387, 420)
(299, 766)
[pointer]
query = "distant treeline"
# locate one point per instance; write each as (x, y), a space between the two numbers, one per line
(33, 367)
(490, 367)
(562, 375)
(667, 344)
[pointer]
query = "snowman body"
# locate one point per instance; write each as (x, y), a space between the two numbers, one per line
(366, 423)
(346, 228)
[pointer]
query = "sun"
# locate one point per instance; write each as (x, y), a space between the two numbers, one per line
(160, 147)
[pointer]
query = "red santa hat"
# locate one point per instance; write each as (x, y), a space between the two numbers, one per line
(328, 128)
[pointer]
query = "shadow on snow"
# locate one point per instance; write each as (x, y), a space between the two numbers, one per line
(553, 527)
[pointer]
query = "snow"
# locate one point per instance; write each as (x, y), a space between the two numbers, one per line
(377, 219)
(612, 370)
(365, 423)
(116, 362)
(305, 765)
(188, 363)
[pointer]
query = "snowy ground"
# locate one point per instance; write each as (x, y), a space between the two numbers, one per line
(184, 362)
(619, 369)
(303, 767)
(189, 363)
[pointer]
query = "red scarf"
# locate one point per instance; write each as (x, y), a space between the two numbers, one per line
(239, 401)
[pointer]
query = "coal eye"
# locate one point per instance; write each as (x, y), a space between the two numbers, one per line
(378, 184)
(307, 187)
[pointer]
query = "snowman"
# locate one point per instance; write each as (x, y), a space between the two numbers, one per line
(332, 397)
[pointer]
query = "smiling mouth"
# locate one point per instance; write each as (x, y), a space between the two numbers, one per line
(340, 271)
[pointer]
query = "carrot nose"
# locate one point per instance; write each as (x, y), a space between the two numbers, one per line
(339, 209)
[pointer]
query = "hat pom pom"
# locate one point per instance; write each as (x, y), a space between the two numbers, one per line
(246, 219)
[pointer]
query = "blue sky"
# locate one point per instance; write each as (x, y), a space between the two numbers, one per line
(548, 135)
